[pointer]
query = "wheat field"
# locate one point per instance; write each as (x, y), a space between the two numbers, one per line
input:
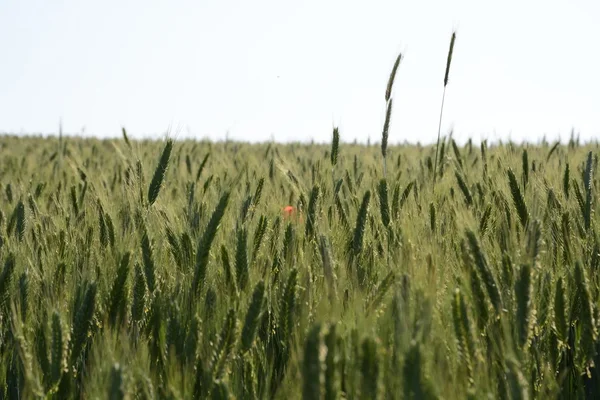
(168, 270)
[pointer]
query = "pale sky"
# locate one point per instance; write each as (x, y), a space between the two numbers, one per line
(292, 70)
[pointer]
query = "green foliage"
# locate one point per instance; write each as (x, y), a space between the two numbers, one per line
(486, 287)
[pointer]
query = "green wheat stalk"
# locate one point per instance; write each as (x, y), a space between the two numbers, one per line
(523, 294)
(102, 226)
(148, 260)
(552, 150)
(174, 246)
(118, 292)
(224, 347)
(312, 212)
(385, 133)
(288, 307)
(589, 331)
(381, 290)
(258, 192)
(116, 389)
(483, 223)
(388, 114)
(534, 240)
(461, 324)
(312, 368)
(139, 296)
(159, 173)
(241, 260)
(83, 322)
(110, 228)
(560, 319)
(411, 185)
(525, 161)
(327, 264)
(457, 154)
(390, 84)
(587, 182)
(485, 271)
(259, 235)
(205, 242)
(20, 218)
(415, 386)
(566, 180)
(201, 167)
(252, 317)
(545, 290)
(384, 207)
(6, 279)
(210, 303)
(396, 201)
(518, 198)
(125, 137)
(369, 369)
(356, 244)
(229, 278)
(24, 294)
(332, 363)
(58, 351)
(464, 188)
(335, 149)
(448, 62)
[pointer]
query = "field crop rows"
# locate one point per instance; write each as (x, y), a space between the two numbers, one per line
(168, 269)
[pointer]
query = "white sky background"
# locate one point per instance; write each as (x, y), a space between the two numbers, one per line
(293, 70)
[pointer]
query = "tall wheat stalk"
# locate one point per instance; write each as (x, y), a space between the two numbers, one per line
(159, 173)
(448, 62)
(335, 149)
(388, 114)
